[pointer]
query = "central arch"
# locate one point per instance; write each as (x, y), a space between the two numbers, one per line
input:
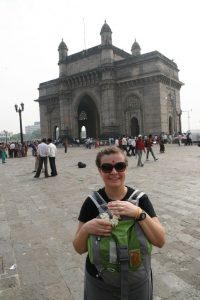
(88, 117)
(134, 127)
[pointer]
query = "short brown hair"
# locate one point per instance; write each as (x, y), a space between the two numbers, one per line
(108, 151)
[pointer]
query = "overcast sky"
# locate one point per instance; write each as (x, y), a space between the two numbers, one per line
(31, 30)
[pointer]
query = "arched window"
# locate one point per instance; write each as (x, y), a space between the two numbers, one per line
(83, 132)
(82, 116)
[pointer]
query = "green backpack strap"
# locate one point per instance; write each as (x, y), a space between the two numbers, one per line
(102, 207)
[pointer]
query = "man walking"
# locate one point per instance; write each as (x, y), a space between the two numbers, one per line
(149, 148)
(52, 156)
(139, 150)
(42, 153)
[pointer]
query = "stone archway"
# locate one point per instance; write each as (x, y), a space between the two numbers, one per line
(133, 115)
(134, 127)
(88, 117)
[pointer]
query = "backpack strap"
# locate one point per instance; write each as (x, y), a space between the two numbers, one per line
(124, 268)
(135, 197)
(100, 203)
(123, 252)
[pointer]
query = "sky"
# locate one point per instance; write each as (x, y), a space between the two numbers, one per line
(31, 31)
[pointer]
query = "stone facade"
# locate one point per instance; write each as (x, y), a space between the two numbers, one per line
(111, 92)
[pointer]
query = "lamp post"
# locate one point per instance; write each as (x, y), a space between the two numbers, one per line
(19, 110)
(188, 113)
(172, 98)
(6, 134)
(179, 113)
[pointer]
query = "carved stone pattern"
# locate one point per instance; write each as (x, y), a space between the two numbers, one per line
(107, 86)
(132, 103)
(85, 79)
(158, 78)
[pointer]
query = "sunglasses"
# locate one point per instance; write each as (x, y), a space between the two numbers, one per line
(119, 167)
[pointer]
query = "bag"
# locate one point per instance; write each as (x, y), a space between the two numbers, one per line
(81, 165)
(124, 258)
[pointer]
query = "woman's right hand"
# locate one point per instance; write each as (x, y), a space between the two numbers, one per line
(99, 227)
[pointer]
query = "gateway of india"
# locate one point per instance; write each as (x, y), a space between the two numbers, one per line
(107, 92)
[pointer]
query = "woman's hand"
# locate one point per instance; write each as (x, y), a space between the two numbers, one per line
(98, 227)
(123, 208)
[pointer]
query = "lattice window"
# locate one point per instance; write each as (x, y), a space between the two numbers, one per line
(132, 102)
(82, 116)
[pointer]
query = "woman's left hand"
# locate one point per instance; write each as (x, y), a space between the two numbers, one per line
(123, 208)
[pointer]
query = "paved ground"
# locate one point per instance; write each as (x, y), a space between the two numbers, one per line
(38, 218)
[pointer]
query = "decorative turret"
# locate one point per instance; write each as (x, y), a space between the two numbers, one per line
(63, 51)
(136, 50)
(106, 35)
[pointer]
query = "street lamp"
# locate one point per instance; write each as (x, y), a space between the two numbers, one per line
(172, 98)
(188, 113)
(19, 109)
(6, 134)
(179, 113)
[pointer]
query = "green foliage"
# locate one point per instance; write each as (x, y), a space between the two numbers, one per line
(35, 135)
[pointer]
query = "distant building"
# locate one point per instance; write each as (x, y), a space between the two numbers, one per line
(31, 128)
(5, 135)
(110, 92)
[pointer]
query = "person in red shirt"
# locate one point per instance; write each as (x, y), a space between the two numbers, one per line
(139, 149)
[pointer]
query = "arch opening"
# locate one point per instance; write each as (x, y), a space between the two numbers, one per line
(135, 127)
(88, 118)
(170, 125)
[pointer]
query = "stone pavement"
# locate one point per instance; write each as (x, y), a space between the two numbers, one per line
(38, 219)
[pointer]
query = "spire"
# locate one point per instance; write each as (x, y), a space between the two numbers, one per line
(62, 46)
(63, 51)
(136, 50)
(106, 35)
(105, 28)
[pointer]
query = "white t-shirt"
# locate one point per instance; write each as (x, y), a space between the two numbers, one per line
(52, 150)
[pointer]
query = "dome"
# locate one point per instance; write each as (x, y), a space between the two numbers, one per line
(105, 28)
(62, 45)
(135, 46)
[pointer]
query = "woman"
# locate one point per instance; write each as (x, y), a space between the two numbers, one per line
(112, 166)
(3, 153)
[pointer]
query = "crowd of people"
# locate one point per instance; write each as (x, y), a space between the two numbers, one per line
(14, 149)
(139, 147)
(42, 151)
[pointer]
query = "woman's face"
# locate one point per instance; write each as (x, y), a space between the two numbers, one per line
(113, 179)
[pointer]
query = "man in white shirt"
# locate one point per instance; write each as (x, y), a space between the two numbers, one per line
(124, 143)
(12, 150)
(52, 156)
(42, 153)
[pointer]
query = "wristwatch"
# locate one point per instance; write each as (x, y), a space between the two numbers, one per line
(142, 216)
